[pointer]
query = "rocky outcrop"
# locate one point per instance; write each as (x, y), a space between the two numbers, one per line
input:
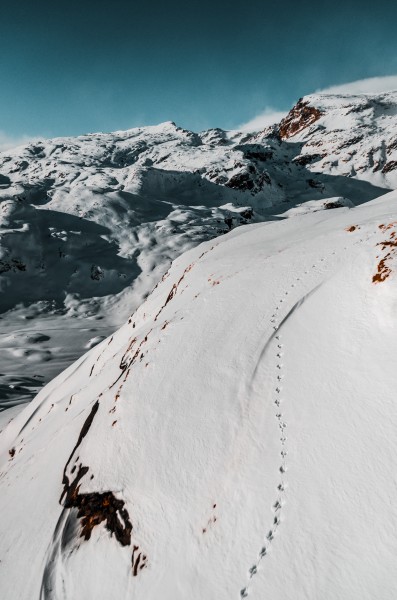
(390, 166)
(299, 117)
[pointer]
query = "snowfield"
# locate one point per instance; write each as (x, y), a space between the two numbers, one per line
(234, 438)
(215, 315)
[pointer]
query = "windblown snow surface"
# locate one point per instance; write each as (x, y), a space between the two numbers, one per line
(235, 437)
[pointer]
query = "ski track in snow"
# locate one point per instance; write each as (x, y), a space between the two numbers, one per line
(278, 351)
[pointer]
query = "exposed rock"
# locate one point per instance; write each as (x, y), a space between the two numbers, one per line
(307, 159)
(300, 117)
(390, 166)
(255, 152)
(247, 213)
(97, 273)
(241, 181)
(351, 142)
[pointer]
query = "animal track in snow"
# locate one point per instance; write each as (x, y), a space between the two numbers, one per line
(278, 400)
(279, 500)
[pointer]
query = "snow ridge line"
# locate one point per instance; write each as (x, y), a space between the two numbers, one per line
(276, 322)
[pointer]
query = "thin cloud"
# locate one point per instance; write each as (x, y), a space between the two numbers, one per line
(9, 141)
(372, 85)
(268, 117)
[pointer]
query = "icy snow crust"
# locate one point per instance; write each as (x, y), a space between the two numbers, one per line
(241, 424)
(88, 225)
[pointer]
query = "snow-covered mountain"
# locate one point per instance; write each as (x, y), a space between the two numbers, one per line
(234, 438)
(90, 224)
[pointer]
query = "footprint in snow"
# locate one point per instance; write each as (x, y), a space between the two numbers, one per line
(253, 570)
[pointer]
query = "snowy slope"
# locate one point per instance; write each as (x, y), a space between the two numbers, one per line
(84, 222)
(88, 225)
(235, 438)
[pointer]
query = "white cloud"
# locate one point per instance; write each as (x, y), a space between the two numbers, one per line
(268, 117)
(9, 141)
(372, 85)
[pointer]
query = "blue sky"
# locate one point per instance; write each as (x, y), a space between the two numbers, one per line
(73, 67)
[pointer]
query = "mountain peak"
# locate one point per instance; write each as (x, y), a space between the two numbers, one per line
(301, 116)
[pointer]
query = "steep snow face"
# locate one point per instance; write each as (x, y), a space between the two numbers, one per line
(88, 225)
(235, 438)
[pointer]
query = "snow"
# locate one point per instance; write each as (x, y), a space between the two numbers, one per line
(244, 414)
(356, 136)
(84, 239)
(88, 225)
(206, 324)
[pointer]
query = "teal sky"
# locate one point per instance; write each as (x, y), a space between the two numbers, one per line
(72, 67)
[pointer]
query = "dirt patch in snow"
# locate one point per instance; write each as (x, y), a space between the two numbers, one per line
(174, 290)
(94, 508)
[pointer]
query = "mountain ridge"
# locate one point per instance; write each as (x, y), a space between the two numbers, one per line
(90, 224)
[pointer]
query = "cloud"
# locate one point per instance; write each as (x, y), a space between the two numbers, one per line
(372, 85)
(10, 141)
(268, 117)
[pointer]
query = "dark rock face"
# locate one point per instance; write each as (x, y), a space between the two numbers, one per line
(307, 159)
(300, 116)
(241, 181)
(255, 152)
(248, 213)
(14, 265)
(390, 166)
